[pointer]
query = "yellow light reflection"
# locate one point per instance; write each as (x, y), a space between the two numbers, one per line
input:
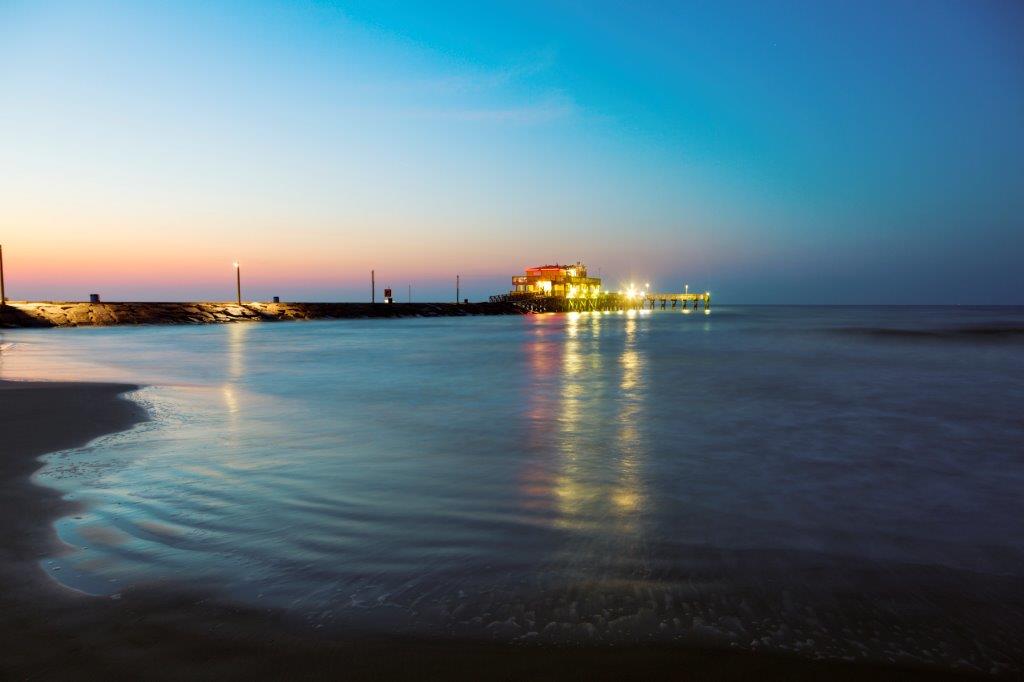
(628, 496)
(237, 333)
(587, 473)
(230, 398)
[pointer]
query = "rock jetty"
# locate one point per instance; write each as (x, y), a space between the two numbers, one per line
(78, 314)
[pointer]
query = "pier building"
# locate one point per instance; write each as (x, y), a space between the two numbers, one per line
(563, 288)
(558, 281)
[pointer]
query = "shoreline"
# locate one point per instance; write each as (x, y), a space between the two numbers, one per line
(17, 314)
(50, 631)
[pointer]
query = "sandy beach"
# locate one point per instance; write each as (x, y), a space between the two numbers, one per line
(50, 632)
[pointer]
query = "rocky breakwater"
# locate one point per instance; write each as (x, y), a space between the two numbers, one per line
(78, 314)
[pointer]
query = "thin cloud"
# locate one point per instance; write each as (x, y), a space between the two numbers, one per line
(483, 96)
(542, 112)
(482, 81)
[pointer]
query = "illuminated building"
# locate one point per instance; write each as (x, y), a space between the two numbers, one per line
(558, 281)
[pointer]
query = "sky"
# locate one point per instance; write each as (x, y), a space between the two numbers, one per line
(770, 152)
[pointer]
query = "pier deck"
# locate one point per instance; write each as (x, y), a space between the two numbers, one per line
(697, 300)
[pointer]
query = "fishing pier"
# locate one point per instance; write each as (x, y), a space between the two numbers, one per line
(568, 288)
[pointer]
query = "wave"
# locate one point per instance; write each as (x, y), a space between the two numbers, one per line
(998, 332)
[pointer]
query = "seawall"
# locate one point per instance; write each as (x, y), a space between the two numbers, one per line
(78, 314)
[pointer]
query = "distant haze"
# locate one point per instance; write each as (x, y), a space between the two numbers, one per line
(769, 152)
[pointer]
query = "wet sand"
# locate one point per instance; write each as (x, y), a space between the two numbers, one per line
(50, 632)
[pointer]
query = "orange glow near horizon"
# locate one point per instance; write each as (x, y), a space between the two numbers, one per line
(48, 263)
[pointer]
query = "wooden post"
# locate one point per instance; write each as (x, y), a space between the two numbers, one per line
(3, 295)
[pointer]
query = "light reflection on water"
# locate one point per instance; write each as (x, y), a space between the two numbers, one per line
(758, 476)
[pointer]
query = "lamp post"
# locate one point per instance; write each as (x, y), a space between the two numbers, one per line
(3, 297)
(238, 282)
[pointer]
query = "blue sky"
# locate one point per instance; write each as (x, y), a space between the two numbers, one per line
(771, 152)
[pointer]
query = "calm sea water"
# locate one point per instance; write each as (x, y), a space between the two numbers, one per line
(842, 482)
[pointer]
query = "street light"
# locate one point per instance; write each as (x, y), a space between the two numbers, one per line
(238, 282)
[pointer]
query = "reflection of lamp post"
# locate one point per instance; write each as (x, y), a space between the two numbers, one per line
(238, 282)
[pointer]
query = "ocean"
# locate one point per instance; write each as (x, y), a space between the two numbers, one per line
(835, 482)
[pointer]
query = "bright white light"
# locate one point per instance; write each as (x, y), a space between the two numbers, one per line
(235, 264)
